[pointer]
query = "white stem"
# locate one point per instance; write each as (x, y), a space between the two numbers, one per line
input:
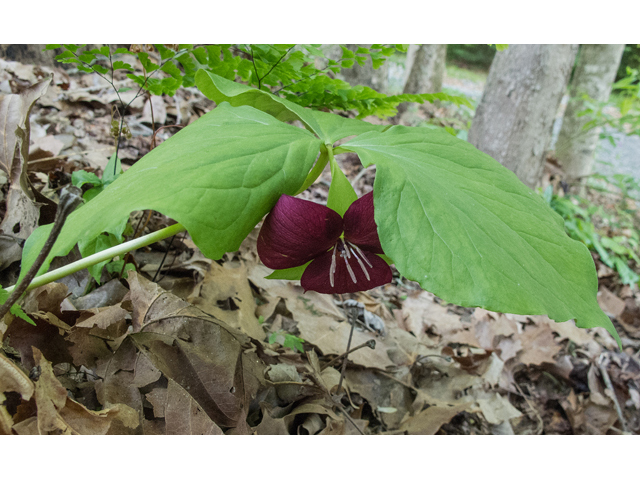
(107, 254)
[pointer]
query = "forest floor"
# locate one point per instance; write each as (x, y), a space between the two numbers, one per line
(188, 345)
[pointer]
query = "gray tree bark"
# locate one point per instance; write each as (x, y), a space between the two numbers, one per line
(595, 72)
(515, 116)
(426, 65)
(424, 71)
(366, 75)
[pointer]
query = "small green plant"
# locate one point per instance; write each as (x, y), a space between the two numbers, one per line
(287, 340)
(611, 230)
(625, 96)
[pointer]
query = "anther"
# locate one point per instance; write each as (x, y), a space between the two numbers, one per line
(364, 269)
(357, 249)
(346, 261)
(332, 270)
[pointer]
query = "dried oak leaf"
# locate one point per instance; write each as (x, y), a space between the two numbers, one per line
(429, 421)
(22, 213)
(59, 414)
(12, 379)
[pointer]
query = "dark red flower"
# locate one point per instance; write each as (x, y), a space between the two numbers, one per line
(343, 251)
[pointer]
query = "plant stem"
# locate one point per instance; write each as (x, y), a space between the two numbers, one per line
(317, 170)
(107, 254)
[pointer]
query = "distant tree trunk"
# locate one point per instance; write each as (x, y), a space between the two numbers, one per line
(594, 75)
(366, 75)
(514, 119)
(28, 54)
(424, 70)
(427, 69)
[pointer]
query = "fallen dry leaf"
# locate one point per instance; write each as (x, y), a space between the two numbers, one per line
(538, 345)
(226, 294)
(22, 214)
(12, 379)
(610, 303)
(59, 414)
(429, 421)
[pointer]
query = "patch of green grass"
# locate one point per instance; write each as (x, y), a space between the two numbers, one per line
(476, 76)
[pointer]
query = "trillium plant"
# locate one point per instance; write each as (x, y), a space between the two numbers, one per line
(445, 214)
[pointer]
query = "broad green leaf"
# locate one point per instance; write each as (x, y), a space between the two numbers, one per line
(218, 177)
(336, 127)
(327, 126)
(220, 89)
(465, 228)
(341, 193)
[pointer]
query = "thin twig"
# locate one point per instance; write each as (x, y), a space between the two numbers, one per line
(254, 65)
(153, 140)
(369, 343)
(279, 60)
(540, 427)
(163, 259)
(173, 260)
(153, 122)
(70, 198)
(342, 409)
(346, 355)
(607, 381)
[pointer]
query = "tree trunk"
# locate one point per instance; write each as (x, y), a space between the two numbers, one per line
(514, 119)
(426, 69)
(594, 75)
(366, 75)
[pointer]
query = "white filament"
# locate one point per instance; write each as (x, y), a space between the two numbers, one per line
(346, 261)
(332, 270)
(364, 269)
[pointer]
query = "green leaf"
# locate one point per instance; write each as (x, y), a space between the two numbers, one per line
(115, 267)
(327, 126)
(220, 89)
(336, 127)
(52, 46)
(465, 228)
(218, 177)
(294, 273)
(19, 312)
(120, 65)
(102, 242)
(72, 48)
(112, 171)
(82, 177)
(15, 308)
(293, 342)
(341, 193)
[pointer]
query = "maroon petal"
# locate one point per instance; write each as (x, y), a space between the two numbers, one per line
(297, 231)
(316, 277)
(359, 225)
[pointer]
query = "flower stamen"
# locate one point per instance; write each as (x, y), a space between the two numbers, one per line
(357, 249)
(346, 261)
(364, 269)
(332, 270)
